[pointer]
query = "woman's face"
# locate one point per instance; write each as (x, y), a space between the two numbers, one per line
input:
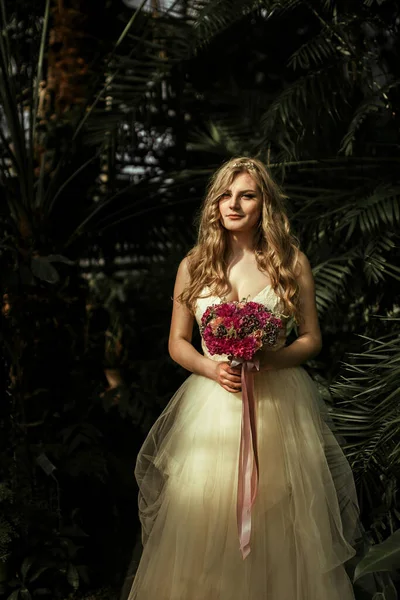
(240, 204)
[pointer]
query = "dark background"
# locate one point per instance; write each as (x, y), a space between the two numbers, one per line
(111, 124)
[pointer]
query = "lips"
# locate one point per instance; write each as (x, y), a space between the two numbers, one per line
(234, 216)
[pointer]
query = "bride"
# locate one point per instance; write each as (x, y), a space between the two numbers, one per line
(305, 517)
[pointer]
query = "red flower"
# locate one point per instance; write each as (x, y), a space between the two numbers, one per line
(239, 329)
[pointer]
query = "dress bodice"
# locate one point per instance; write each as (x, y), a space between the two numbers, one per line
(266, 296)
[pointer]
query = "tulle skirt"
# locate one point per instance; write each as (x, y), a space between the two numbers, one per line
(305, 519)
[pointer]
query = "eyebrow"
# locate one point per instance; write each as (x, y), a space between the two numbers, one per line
(243, 191)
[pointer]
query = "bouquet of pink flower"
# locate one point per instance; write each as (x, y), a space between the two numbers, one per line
(239, 329)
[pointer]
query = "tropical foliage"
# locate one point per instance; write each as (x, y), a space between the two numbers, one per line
(111, 121)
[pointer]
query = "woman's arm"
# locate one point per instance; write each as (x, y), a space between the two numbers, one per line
(309, 342)
(180, 345)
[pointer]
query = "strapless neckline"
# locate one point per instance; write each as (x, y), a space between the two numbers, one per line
(267, 296)
(268, 286)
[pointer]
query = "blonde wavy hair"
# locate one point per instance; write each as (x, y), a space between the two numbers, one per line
(277, 249)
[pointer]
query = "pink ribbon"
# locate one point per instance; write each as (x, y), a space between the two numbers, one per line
(248, 457)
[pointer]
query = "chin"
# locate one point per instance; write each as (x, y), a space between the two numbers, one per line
(230, 228)
(236, 226)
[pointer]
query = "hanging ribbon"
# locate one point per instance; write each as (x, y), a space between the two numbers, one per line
(248, 472)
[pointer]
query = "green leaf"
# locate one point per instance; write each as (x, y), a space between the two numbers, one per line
(26, 565)
(60, 258)
(73, 576)
(39, 69)
(42, 269)
(381, 557)
(38, 572)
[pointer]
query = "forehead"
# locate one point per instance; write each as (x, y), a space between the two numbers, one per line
(243, 181)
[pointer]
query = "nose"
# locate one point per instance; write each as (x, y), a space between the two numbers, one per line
(234, 202)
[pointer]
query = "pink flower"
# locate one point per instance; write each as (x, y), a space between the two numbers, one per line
(215, 322)
(239, 329)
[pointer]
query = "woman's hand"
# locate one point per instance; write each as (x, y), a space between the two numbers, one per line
(228, 377)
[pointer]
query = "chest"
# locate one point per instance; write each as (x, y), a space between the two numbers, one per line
(245, 280)
(265, 296)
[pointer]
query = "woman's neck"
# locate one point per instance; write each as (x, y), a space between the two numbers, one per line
(240, 245)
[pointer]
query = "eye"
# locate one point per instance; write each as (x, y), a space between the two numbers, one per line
(248, 196)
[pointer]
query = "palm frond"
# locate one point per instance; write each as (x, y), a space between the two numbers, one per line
(313, 53)
(213, 17)
(138, 65)
(381, 208)
(377, 102)
(220, 139)
(331, 278)
(368, 392)
(376, 266)
(289, 110)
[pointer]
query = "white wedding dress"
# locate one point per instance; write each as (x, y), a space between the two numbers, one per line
(305, 518)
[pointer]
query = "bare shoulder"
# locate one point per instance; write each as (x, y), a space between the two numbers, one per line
(303, 270)
(184, 266)
(303, 264)
(182, 276)
(183, 273)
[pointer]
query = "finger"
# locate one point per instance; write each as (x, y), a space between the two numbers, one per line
(233, 372)
(232, 378)
(231, 390)
(235, 385)
(227, 367)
